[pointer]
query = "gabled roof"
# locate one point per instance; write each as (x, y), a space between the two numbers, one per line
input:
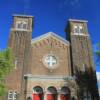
(52, 34)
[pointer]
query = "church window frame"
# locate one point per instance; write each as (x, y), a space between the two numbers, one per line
(81, 30)
(37, 89)
(21, 25)
(50, 61)
(86, 95)
(78, 29)
(65, 90)
(16, 63)
(12, 95)
(84, 67)
(51, 90)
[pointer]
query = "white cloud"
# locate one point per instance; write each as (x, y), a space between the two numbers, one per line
(98, 76)
(98, 79)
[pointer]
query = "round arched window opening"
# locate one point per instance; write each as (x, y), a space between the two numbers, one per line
(65, 90)
(52, 90)
(37, 89)
(51, 93)
(65, 93)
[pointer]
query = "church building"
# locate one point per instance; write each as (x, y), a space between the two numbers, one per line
(50, 67)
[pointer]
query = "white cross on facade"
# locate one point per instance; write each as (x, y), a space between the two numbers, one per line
(50, 60)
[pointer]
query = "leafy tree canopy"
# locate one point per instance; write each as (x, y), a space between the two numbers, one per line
(6, 64)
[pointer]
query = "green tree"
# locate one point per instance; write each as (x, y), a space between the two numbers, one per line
(6, 64)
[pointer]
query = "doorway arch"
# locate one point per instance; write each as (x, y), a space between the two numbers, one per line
(51, 93)
(37, 93)
(65, 93)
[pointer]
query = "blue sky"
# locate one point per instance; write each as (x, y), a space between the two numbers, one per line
(51, 15)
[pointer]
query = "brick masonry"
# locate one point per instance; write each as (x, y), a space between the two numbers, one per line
(30, 70)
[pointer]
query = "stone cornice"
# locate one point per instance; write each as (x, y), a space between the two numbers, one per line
(49, 77)
(52, 34)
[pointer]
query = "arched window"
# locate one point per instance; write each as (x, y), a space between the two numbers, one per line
(65, 93)
(37, 93)
(37, 89)
(51, 93)
(65, 90)
(12, 95)
(86, 95)
(78, 29)
(84, 67)
(21, 25)
(52, 90)
(81, 30)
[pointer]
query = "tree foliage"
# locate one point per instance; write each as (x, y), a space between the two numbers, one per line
(6, 64)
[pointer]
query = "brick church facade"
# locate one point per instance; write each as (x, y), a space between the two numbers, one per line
(50, 67)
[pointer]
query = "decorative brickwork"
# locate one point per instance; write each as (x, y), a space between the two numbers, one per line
(72, 69)
(82, 58)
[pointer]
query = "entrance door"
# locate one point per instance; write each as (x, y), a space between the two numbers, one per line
(37, 96)
(65, 93)
(51, 97)
(37, 93)
(52, 93)
(64, 97)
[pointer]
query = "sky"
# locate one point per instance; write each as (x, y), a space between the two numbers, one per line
(51, 15)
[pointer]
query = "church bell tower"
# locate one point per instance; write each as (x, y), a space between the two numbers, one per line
(82, 57)
(20, 43)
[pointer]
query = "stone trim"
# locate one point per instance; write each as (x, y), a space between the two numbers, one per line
(76, 20)
(18, 15)
(81, 35)
(49, 77)
(19, 30)
(47, 35)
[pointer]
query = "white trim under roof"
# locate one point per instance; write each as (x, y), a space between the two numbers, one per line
(76, 20)
(18, 15)
(47, 35)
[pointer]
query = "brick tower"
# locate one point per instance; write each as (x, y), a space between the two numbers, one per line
(49, 67)
(82, 59)
(20, 42)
